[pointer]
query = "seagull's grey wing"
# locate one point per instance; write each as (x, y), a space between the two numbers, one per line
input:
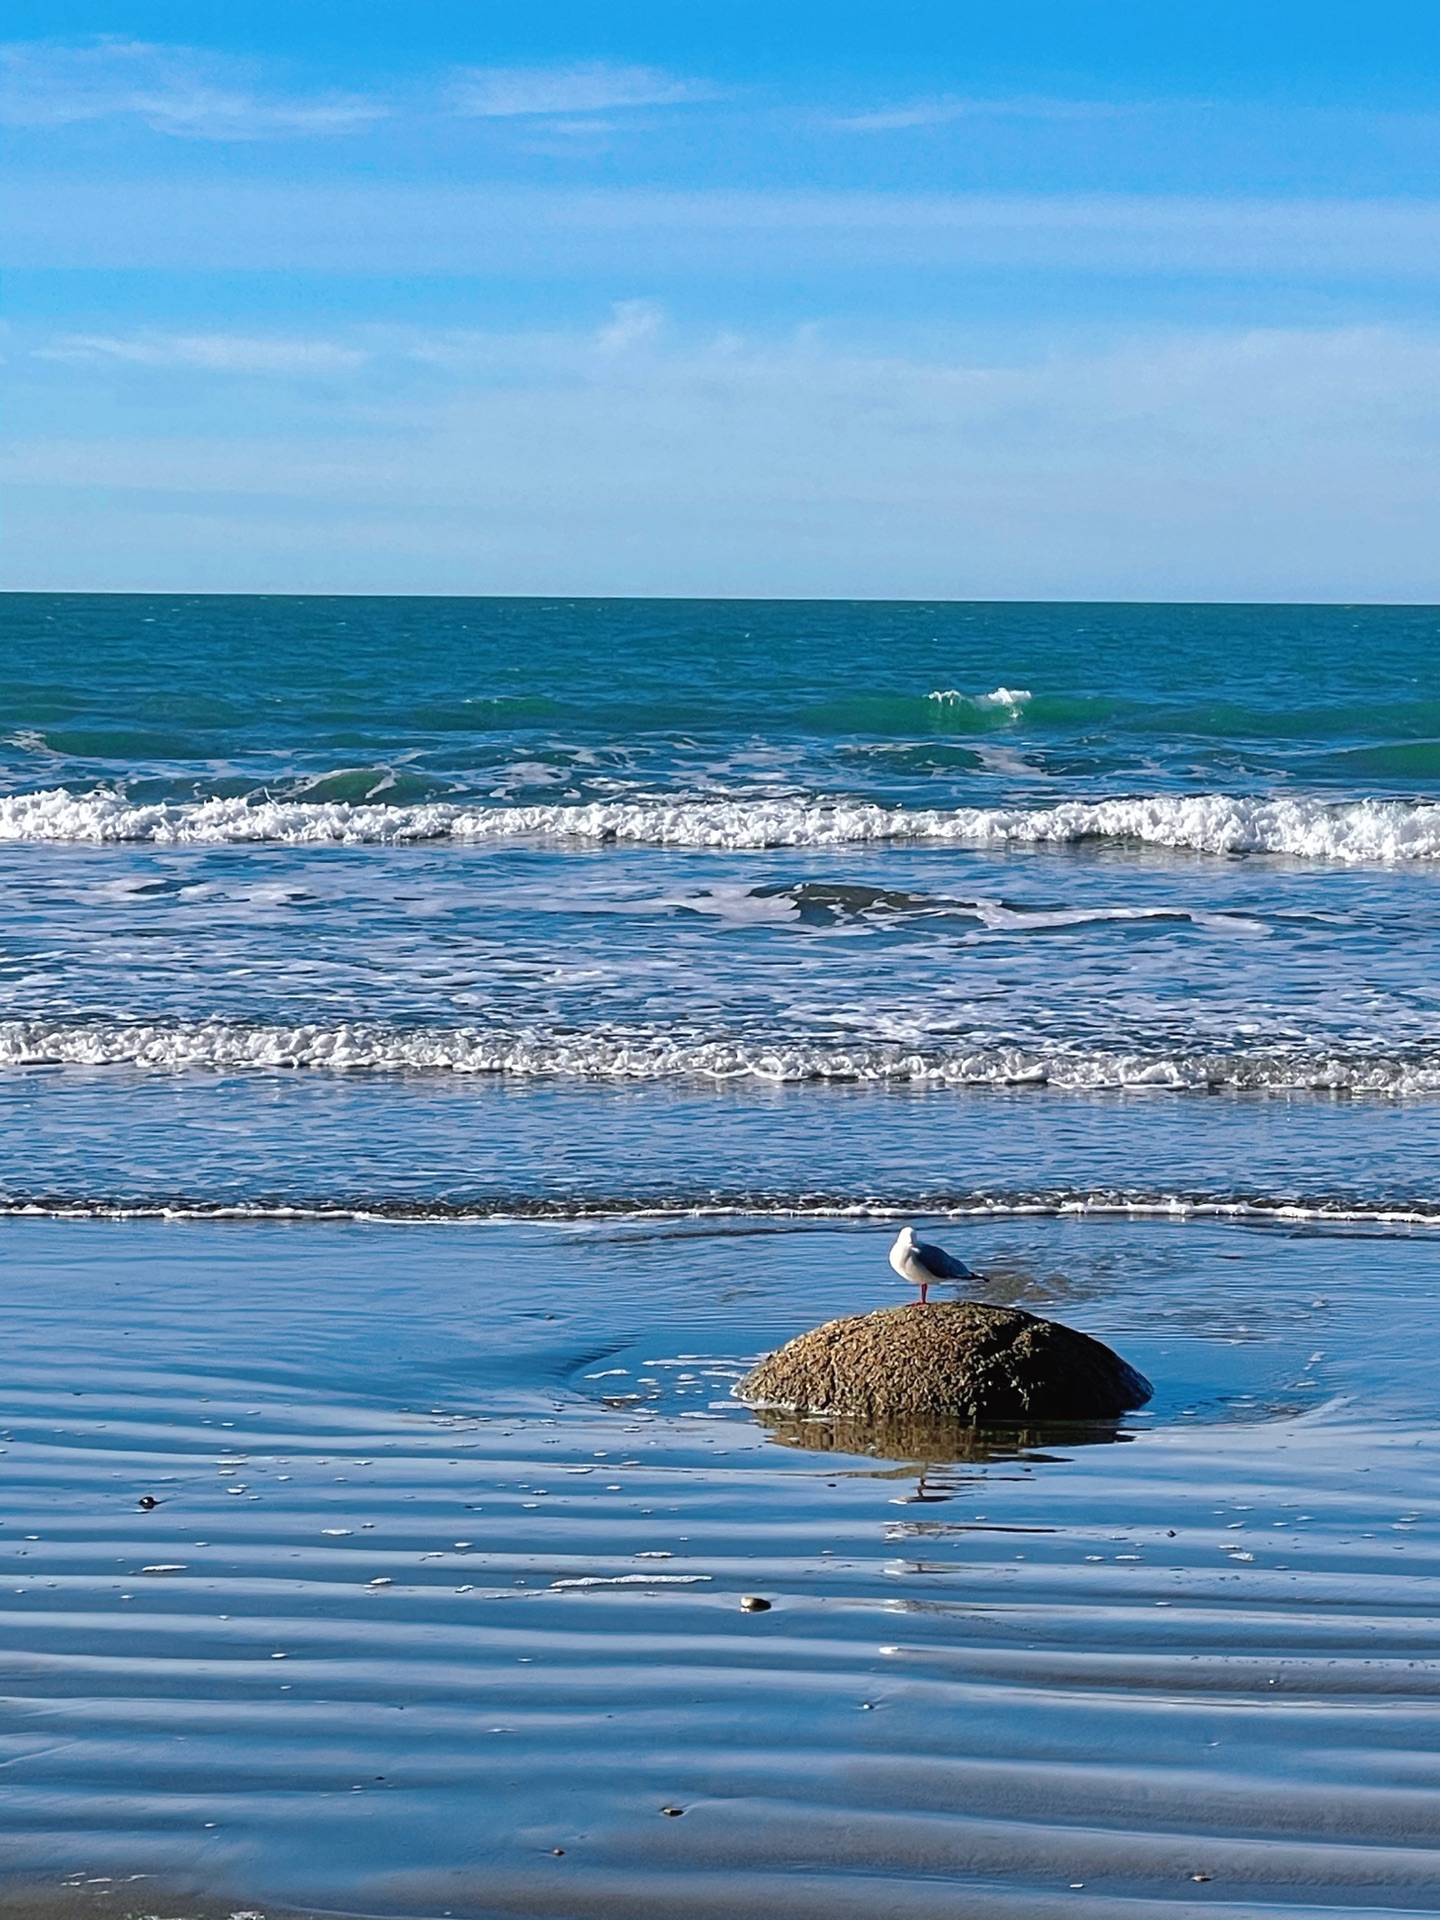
(939, 1264)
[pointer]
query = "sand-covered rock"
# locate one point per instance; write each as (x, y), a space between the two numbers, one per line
(953, 1359)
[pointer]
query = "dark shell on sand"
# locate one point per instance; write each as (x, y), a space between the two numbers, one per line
(958, 1360)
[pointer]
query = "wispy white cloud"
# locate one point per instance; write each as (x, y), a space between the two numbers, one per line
(172, 90)
(508, 92)
(189, 92)
(209, 353)
(941, 109)
(459, 355)
(633, 323)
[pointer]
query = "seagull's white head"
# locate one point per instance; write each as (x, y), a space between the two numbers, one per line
(905, 1237)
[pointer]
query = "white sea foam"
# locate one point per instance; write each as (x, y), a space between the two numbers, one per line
(1304, 828)
(633, 1580)
(618, 1055)
(1009, 700)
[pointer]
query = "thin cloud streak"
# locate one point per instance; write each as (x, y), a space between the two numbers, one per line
(179, 91)
(522, 92)
(209, 353)
(357, 226)
(946, 108)
(189, 92)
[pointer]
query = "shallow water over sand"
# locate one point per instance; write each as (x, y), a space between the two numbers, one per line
(453, 1525)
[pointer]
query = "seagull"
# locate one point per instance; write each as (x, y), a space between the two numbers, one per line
(920, 1263)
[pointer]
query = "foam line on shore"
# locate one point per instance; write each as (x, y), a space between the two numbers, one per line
(510, 1209)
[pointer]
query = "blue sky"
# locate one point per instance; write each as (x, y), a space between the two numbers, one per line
(1036, 300)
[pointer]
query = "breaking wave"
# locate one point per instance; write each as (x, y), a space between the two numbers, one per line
(222, 1046)
(1008, 700)
(1304, 828)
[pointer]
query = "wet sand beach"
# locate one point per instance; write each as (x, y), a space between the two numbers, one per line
(452, 1527)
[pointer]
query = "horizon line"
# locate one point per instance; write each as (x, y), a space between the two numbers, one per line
(701, 599)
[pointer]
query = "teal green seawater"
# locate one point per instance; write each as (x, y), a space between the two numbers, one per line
(1099, 853)
(179, 696)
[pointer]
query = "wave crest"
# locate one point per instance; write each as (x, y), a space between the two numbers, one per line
(1007, 700)
(1303, 828)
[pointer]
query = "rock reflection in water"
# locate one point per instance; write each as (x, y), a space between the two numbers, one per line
(928, 1442)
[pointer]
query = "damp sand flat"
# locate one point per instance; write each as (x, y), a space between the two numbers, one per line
(437, 1584)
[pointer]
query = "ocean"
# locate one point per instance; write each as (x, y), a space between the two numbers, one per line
(440, 1034)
